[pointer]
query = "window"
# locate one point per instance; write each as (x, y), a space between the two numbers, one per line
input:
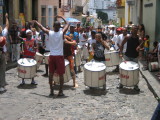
(60, 3)
(43, 15)
(21, 6)
(50, 17)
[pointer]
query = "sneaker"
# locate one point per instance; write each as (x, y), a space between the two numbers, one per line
(33, 83)
(120, 86)
(22, 83)
(136, 88)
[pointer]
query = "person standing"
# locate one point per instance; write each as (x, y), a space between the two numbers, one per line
(133, 46)
(15, 41)
(3, 34)
(69, 42)
(56, 58)
(29, 50)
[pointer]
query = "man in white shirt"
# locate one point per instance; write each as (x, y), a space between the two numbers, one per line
(56, 58)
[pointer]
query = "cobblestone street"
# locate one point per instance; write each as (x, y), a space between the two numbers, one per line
(33, 103)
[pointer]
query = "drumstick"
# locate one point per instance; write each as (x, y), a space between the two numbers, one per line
(124, 60)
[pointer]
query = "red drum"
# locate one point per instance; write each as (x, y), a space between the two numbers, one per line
(129, 73)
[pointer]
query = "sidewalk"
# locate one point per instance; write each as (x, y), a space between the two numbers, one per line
(152, 81)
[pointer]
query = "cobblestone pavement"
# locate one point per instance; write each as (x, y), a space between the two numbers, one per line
(33, 103)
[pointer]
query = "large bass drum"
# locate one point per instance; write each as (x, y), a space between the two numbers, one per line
(129, 73)
(46, 57)
(67, 75)
(112, 58)
(39, 59)
(26, 68)
(94, 74)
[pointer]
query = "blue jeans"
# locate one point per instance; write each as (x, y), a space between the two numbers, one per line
(156, 114)
(130, 59)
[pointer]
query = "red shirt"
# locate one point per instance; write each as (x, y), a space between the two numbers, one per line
(29, 50)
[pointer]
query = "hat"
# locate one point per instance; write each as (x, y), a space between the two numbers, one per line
(28, 30)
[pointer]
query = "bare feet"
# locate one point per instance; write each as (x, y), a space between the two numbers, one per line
(75, 85)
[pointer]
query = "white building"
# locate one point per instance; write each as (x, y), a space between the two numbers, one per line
(107, 6)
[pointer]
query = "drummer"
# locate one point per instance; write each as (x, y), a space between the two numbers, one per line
(91, 41)
(132, 49)
(68, 43)
(29, 48)
(98, 48)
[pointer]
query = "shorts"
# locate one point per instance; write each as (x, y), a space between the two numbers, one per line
(56, 65)
(71, 62)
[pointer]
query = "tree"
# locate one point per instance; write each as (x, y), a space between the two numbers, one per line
(103, 16)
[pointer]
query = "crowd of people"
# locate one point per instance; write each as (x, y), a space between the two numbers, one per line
(62, 42)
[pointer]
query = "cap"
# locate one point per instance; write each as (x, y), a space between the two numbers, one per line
(28, 30)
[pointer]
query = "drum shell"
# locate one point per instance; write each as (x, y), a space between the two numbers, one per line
(112, 59)
(67, 75)
(77, 59)
(153, 66)
(94, 78)
(46, 58)
(39, 59)
(129, 78)
(27, 72)
(85, 52)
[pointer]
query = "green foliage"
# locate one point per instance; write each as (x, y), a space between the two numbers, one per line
(103, 16)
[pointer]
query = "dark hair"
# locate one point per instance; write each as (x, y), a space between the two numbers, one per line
(147, 36)
(57, 23)
(155, 43)
(143, 28)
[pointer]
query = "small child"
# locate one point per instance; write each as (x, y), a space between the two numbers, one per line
(146, 46)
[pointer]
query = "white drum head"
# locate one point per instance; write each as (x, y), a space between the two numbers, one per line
(66, 62)
(47, 54)
(95, 66)
(108, 52)
(27, 62)
(37, 53)
(129, 65)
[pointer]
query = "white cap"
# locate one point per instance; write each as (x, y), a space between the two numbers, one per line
(28, 30)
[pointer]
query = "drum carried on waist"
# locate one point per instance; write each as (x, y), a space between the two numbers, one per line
(67, 75)
(153, 66)
(46, 57)
(94, 74)
(39, 59)
(85, 51)
(129, 73)
(112, 58)
(27, 68)
(77, 58)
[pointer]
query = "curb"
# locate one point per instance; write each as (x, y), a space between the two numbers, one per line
(151, 81)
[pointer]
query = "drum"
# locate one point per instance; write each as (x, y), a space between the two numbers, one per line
(112, 58)
(94, 74)
(39, 59)
(153, 66)
(26, 68)
(80, 50)
(77, 58)
(67, 75)
(46, 57)
(129, 73)
(85, 51)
